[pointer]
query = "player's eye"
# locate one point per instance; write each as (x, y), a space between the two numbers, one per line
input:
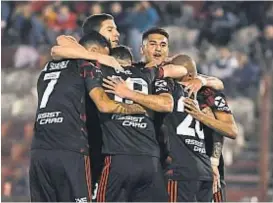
(163, 45)
(109, 29)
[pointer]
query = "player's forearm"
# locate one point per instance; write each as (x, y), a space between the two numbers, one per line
(218, 142)
(159, 103)
(121, 108)
(212, 82)
(174, 71)
(224, 128)
(64, 40)
(72, 52)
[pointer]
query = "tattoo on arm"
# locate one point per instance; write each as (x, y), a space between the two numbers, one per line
(218, 140)
(217, 149)
(128, 109)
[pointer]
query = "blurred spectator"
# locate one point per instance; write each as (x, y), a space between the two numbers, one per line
(142, 17)
(95, 9)
(5, 12)
(26, 56)
(246, 77)
(224, 66)
(118, 13)
(66, 20)
(219, 27)
(267, 40)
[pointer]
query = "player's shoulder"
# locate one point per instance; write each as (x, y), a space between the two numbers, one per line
(83, 63)
(139, 64)
(209, 92)
(215, 99)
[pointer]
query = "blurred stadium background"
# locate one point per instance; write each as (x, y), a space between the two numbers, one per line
(230, 40)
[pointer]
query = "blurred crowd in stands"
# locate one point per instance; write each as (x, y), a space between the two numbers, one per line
(230, 40)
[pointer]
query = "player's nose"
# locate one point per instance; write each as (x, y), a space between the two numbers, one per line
(117, 34)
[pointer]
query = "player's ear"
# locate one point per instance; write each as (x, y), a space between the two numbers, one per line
(93, 49)
(141, 50)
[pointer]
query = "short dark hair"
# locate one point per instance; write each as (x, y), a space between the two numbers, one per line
(155, 30)
(122, 52)
(93, 22)
(94, 38)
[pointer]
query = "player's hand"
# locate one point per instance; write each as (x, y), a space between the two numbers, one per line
(192, 86)
(64, 40)
(192, 107)
(116, 86)
(109, 61)
(216, 179)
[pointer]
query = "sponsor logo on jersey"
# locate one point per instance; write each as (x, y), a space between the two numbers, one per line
(131, 121)
(49, 118)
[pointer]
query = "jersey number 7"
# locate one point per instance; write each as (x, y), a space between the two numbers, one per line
(184, 127)
(53, 77)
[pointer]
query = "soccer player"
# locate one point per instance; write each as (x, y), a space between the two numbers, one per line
(102, 23)
(59, 164)
(219, 121)
(216, 115)
(155, 50)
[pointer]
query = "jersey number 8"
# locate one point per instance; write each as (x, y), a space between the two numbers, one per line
(184, 127)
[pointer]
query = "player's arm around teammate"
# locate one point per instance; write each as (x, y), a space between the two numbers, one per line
(93, 81)
(223, 122)
(160, 103)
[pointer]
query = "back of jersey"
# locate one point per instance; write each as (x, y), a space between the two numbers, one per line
(129, 134)
(60, 120)
(186, 142)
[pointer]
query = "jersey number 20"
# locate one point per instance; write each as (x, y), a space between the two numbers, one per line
(53, 77)
(184, 127)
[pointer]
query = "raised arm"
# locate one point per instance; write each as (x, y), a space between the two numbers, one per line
(69, 48)
(212, 82)
(174, 71)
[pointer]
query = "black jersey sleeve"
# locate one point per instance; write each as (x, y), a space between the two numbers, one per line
(163, 86)
(91, 74)
(214, 99)
(158, 73)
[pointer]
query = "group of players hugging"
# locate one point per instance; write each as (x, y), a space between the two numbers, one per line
(109, 129)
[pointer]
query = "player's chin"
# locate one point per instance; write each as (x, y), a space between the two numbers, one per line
(157, 60)
(114, 44)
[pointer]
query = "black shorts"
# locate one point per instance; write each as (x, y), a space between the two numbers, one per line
(59, 176)
(128, 178)
(220, 195)
(189, 191)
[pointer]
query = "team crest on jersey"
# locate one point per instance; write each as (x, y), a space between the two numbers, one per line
(219, 101)
(221, 104)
